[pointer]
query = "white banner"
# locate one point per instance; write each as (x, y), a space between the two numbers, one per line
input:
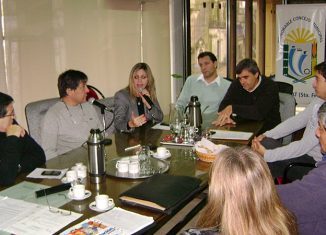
(301, 46)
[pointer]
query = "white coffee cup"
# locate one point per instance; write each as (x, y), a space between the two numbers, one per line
(81, 171)
(71, 176)
(77, 191)
(122, 165)
(162, 152)
(103, 201)
(78, 164)
(133, 167)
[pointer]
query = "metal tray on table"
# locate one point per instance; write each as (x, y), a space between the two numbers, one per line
(157, 166)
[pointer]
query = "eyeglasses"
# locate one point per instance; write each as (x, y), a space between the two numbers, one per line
(54, 209)
(9, 115)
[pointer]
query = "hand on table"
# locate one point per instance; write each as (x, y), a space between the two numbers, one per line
(15, 130)
(137, 121)
(257, 146)
(224, 117)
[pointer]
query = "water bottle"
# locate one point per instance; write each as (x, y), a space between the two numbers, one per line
(96, 156)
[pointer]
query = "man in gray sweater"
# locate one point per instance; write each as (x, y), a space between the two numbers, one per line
(67, 124)
(305, 150)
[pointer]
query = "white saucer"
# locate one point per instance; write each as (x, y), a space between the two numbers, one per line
(165, 157)
(87, 195)
(93, 207)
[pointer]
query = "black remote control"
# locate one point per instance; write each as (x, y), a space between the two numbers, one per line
(51, 190)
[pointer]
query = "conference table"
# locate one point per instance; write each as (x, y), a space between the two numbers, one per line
(183, 161)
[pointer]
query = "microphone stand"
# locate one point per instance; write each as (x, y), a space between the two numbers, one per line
(106, 141)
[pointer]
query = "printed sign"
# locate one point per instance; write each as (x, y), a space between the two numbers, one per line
(301, 46)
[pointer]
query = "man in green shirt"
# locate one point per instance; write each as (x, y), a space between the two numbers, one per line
(209, 87)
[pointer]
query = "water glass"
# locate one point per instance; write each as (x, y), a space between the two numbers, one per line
(175, 118)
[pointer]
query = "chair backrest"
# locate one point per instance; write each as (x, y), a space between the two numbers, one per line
(34, 113)
(287, 105)
(94, 93)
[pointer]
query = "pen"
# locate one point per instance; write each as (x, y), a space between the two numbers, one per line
(132, 147)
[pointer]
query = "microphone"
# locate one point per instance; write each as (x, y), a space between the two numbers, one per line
(98, 104)
(149, 101)
(146, 97)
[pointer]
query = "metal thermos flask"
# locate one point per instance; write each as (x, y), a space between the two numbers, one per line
(194, 112)
(96, 156)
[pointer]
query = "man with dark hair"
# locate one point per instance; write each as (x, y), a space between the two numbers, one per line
(305, 198)
(305, 150)
(67, 124)
(209, 87)
(18, 151)
(250, 97)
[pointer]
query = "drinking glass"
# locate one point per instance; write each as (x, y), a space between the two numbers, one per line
(175, 118)
(145, 164)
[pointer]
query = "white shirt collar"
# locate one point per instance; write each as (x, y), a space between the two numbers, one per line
(217, 80)
(257, 85)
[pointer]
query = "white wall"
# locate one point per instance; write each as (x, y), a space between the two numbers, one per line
(98, 37)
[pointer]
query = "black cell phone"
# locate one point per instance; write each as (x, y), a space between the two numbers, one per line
(165, 124)
(53, 173)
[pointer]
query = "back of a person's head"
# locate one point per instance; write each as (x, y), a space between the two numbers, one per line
(243, 198)
(5, 100)
(70, 79)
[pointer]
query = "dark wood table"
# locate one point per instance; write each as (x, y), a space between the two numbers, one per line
(182, 162)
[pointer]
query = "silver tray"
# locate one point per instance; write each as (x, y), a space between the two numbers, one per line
(157, 166)
(177, 144)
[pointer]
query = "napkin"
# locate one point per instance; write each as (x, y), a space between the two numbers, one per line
(206, 146)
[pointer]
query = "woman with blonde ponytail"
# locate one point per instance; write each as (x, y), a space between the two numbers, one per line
(242, 198)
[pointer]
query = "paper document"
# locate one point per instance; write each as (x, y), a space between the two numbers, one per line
(20, 217)
(37, 173)
(231, 135)
(126, 222)
(159, 126)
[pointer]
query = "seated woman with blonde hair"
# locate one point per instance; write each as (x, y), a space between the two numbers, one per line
(137, 104)
(242, 198)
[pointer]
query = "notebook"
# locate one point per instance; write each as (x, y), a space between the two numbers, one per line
(162, 192)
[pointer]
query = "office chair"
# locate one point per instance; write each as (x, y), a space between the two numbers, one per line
(34, 113)
(293, 165)
(94, 93)
(287, 105)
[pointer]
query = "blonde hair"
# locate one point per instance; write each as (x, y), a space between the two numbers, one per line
(242, 197)
(150, 85)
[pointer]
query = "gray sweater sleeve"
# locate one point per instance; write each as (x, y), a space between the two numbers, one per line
(49, 134)
(307, 145)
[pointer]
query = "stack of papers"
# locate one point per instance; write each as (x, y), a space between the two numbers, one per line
(20, 217)
(231, 135)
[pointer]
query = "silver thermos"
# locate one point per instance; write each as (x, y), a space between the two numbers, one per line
(194, 112)
(96, 156)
